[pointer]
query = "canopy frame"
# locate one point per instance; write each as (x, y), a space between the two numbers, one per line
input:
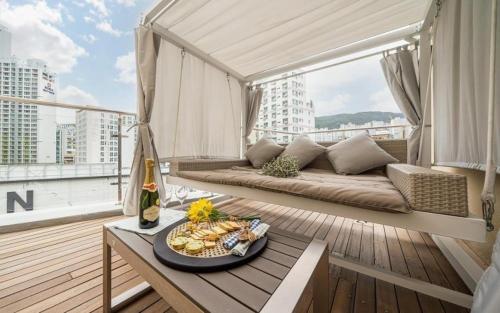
(162, 6)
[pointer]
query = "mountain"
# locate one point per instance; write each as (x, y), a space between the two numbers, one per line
(334, 121)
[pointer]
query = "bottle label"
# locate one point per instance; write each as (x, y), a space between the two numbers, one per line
(151, 213)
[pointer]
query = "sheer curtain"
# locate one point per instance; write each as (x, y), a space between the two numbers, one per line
(198, 108)
(461, 70)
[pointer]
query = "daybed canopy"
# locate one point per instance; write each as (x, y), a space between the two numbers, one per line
(197, 61)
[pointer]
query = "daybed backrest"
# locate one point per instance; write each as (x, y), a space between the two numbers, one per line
(395, 147)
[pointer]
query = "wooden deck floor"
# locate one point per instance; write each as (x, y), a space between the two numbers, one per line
(58, 269)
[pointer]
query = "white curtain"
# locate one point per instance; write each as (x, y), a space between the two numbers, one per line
(197, 111)
(400, 71)
(253, 101)
(461, 70)
(146, 56)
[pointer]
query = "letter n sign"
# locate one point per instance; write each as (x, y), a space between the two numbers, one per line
(13, 197)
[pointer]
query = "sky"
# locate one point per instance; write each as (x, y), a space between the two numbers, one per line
(90, 45)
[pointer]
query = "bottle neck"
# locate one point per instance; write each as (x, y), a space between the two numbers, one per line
(149, 177)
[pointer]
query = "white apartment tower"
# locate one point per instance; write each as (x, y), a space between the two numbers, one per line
(66, 143)
(97, 141)
(28, 132)
(284, 108)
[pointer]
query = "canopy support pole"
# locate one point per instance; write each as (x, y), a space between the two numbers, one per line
(488, 194)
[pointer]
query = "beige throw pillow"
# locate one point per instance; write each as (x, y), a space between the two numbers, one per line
(263, 151)
(358, 154)
(304, 150)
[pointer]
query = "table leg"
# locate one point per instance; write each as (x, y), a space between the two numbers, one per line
(321, 285)
(106, 273)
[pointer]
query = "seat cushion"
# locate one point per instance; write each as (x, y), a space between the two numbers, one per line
(358, 154)
(369, 191)
(263, 151)
(304, 149)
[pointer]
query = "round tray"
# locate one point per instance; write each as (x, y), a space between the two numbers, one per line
(172, 258)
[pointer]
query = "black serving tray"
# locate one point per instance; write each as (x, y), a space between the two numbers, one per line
(171, 258)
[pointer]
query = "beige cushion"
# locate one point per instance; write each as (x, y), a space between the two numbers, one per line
(263, 151)
(371, 190)
(358, 154)
(304, 150)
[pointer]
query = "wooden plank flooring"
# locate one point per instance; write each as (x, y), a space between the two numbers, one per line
(59, 268)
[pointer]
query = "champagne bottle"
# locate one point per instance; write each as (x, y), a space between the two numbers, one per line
(149, 202)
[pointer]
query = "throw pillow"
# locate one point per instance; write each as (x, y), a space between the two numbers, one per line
(304, 149)
(358, 154)
(263, 151)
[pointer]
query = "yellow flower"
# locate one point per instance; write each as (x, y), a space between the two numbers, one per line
(200, 210)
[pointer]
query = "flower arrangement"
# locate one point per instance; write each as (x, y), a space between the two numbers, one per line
(203, 210)
(282, 166)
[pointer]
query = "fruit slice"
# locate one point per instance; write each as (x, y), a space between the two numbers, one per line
(179, 243)
(194, 247)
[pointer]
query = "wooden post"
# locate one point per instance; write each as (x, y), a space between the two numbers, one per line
(106, 272)
(321, 284)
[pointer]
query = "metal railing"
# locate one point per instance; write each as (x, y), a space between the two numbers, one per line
(118, 135)
(336, 130)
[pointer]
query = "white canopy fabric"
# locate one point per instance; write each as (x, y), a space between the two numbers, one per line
(252, 36)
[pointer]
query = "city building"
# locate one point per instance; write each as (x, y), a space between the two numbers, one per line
(28, 132)
(285, 108)
(65, 143)
(97, 141)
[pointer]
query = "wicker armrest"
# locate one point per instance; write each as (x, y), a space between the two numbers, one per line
(430, 190)
(204, 164)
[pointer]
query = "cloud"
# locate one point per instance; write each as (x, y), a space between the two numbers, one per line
(127, 3)
(125, 64)
(383, 101)
(335, 105)
(89, 38)
(88, 19)
(99, 6)
(35, 33)
(105, 26)
(74, 95)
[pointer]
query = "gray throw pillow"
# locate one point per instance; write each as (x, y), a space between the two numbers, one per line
(358, 154)
(304, 150)
(263, 151)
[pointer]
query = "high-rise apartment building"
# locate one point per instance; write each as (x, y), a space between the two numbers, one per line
(97, 141)
(66, 143)
(285, 108)
(28, 132)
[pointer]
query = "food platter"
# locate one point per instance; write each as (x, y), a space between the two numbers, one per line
(216, 258)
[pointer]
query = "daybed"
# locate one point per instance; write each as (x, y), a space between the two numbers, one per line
(397, 188)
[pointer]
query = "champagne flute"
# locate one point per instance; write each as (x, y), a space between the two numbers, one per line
(168, 196)
(181, 193)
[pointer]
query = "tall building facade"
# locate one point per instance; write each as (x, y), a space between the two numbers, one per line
(97, 141)
(28, 132)
(285, 108)
(66, 143)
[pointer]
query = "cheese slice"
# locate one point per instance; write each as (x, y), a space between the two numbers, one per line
(209, 244)
(225, 226)
(219, 231)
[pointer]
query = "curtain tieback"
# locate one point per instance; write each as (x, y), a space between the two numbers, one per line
(136, 124)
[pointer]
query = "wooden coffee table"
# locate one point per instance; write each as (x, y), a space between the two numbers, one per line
(291, 271)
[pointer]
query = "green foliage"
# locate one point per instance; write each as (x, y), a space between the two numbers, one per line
(282, 166)
(334, 121)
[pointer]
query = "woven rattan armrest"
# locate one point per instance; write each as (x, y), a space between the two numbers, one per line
(430, 190)
(177, 165)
